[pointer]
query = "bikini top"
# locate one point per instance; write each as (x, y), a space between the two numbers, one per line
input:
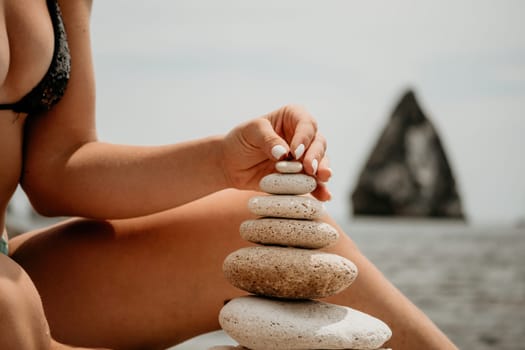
(53, 85)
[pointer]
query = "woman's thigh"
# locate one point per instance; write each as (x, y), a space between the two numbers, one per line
(154, 281)
(149, 281)
(22, 319)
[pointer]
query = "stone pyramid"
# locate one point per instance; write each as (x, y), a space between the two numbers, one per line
(287, 271)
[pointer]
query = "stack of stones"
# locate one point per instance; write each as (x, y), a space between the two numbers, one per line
(287, 270)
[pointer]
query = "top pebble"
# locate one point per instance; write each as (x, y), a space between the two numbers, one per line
(289, 167)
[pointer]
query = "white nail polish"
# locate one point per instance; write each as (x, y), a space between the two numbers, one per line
(278, 151)
(314, 165)
(299, 151)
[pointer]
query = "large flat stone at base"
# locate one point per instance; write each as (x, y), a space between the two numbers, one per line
(261, 324)
(206, 341)
(211, 341)
(231, 347)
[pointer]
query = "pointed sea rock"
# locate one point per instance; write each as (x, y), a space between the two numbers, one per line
(407, 173)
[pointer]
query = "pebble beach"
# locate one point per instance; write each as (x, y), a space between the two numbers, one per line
(468, 278)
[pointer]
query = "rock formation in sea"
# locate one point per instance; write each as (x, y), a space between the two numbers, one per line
(407, 172)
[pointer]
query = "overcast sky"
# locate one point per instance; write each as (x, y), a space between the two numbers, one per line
(174, 70)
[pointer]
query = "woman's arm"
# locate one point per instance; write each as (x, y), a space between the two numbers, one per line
(103, 180)
(67, 171)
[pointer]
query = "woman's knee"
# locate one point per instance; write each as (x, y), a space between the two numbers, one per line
(22, 318)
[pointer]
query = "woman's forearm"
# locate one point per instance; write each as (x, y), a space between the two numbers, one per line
(102, 180)
(70, 173)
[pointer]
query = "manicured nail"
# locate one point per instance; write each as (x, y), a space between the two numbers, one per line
(299, 151)
(314, 165)
(278, 151)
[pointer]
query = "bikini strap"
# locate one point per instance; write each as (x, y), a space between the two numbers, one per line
(8, 106)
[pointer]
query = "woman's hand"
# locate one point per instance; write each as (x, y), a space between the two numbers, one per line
(252, 148)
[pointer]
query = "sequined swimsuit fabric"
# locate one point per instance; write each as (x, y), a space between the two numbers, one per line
(53, 85)
(50, 89)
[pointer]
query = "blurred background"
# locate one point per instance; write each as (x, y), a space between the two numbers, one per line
(172, 71)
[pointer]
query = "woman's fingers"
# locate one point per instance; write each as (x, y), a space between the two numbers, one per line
(303, 127)
(260, 133)
(304, 134)
(321, 192)
(306, 144)
(314, 159)
(296, 126)
(324, 173)
(250, 150)
(291, 130)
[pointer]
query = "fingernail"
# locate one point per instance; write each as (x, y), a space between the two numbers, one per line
(299, 151)
(315, 164)
(278, 151)
(330, 172)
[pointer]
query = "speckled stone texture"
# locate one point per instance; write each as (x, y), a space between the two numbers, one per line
(289, 232)
(289, 167)
(288, 272)
(285, 206)
(287, 184)
(231, 347)
(262, 324)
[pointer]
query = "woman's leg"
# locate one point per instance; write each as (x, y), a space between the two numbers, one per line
(142, 283)
(154, 281)
(372, 293)
(22, 319)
